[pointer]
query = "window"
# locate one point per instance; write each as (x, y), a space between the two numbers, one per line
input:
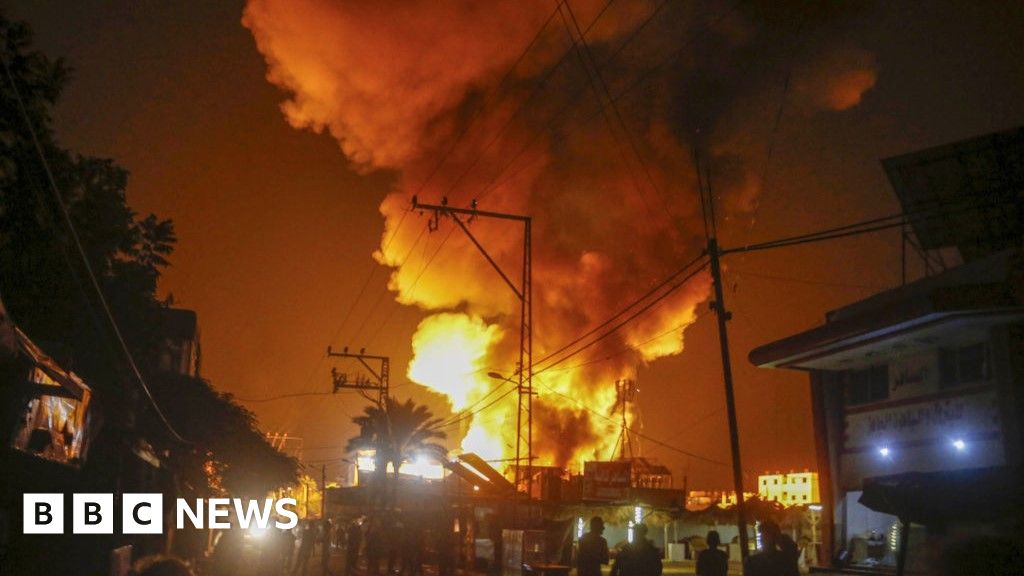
(964, 365)
(868, 385)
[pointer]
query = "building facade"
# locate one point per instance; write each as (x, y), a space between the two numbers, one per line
(791, 489)
(917, 391)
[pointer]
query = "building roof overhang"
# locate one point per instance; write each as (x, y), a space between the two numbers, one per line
(958, 306)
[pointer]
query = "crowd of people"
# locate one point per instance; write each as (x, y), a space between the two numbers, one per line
(778, 554)
(400, 546)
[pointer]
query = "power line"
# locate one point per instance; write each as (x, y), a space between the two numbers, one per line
(671, 288)
(635, 347)
(896, 220)
(618, 424)
(69, 224)
(810, 282)
(570, 101)
(587, 56)
(282, 396)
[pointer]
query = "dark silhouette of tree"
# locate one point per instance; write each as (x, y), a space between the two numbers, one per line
(47, 291)
(229, 454)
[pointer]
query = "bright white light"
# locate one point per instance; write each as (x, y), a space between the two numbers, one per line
(960, 445)
(257, 532)
(814, 507)
(423, 468)
(884, 451)
(638, 514)
(365, 460)
(629, 532)
(579, 528)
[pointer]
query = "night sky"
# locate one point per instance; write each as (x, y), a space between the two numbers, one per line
(277, 226)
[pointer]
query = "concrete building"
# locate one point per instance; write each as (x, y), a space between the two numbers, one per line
(792, 489)
(917, 391)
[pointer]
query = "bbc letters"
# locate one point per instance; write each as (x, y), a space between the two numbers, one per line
(144, 513)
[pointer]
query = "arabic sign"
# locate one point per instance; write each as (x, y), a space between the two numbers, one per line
(606, 480)
(966, 414)
(913, 376)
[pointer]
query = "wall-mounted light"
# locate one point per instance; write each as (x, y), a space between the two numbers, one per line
(959, 444)
(884, 452)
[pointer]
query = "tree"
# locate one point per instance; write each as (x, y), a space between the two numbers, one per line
(47, 289)
(228, 454)
(397, 432)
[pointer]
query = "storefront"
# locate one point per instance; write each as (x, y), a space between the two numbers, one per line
(916, 405)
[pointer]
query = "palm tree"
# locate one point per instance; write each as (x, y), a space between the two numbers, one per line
(397, 432)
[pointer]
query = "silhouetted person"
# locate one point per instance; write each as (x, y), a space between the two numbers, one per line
(353, 540)
(374, 546)
(286, 549)
(306, 545)
(412, 548)
(227, 554)
(779, 554)
(713, 562)
(445, 544)
(593, 550)
(640, 558)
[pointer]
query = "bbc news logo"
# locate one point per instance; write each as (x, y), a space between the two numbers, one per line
(144, 513)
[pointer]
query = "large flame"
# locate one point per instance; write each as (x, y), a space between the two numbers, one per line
(451, 355)
(438, 93)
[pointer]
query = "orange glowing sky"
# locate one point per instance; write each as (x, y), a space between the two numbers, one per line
(277, 228)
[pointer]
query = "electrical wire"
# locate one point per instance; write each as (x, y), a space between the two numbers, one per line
(618, 424)
(283, 396)
(595, 80)
(73, 233)
(665, 283)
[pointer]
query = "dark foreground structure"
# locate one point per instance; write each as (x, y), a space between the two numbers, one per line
(918, 391)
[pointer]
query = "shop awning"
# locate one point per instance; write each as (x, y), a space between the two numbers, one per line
(978, 494)
(71, 386)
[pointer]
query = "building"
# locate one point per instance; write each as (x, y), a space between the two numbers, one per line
(180, 350)
(792, 489)
(917, 390)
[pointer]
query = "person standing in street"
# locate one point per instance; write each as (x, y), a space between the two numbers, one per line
(593, 550)
(713, 562)
(640, 558)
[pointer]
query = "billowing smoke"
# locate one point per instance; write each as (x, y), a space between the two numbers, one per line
(444, 94)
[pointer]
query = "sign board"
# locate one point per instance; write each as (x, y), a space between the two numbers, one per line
(965, 414)
(913, 376)
(606, 480)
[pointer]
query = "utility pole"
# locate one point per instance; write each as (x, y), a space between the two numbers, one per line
(381, 373)
(707, 204)
(325, 539)
(524, 291)
(730, 401)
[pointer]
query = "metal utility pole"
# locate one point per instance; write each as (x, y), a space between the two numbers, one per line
(707, 202)
(382, 373)
(525, 294)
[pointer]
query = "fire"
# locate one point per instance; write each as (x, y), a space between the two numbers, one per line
(437, 93)
(450, 356)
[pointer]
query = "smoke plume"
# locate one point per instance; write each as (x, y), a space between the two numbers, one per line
(592, 138)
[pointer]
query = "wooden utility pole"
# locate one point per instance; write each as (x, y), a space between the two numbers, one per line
(730, 401)
(325, 537)
(714, 251)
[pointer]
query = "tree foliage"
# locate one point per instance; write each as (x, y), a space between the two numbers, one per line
(398, 432)
(47, 289)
